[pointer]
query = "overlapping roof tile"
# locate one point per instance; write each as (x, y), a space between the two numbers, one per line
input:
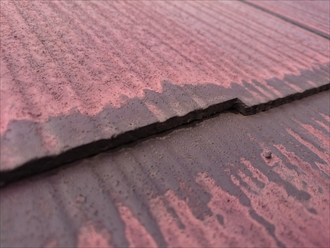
(76, 73)
(311, 15)
(230, 181)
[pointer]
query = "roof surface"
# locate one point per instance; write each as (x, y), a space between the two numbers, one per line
(81, 77)
(229, 181)
(77, 76)
(311, 15)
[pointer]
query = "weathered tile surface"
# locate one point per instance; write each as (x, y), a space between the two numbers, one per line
(229, 181)
(76, 76)
(311, 15)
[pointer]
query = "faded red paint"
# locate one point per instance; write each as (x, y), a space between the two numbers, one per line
(207, 184)
(255, 172)
(135, 232)
(192, 234)
(326, 117)
(237, 222)
(295, 160)
(143, 62)
(310, 146)
(324, 125)
(313, 14)
(323, 139)
(89, 236)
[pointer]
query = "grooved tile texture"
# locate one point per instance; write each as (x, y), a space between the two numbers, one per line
(229, 181)
(77, 72)
(313, 14)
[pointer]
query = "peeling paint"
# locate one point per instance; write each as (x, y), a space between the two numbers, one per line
(78, 72)
(208, 183)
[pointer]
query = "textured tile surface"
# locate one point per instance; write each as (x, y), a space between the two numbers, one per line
(78, 72)
(313, 15)
(229, 181)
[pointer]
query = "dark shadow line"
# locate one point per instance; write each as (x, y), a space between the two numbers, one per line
(39, 165)
(284, 18)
